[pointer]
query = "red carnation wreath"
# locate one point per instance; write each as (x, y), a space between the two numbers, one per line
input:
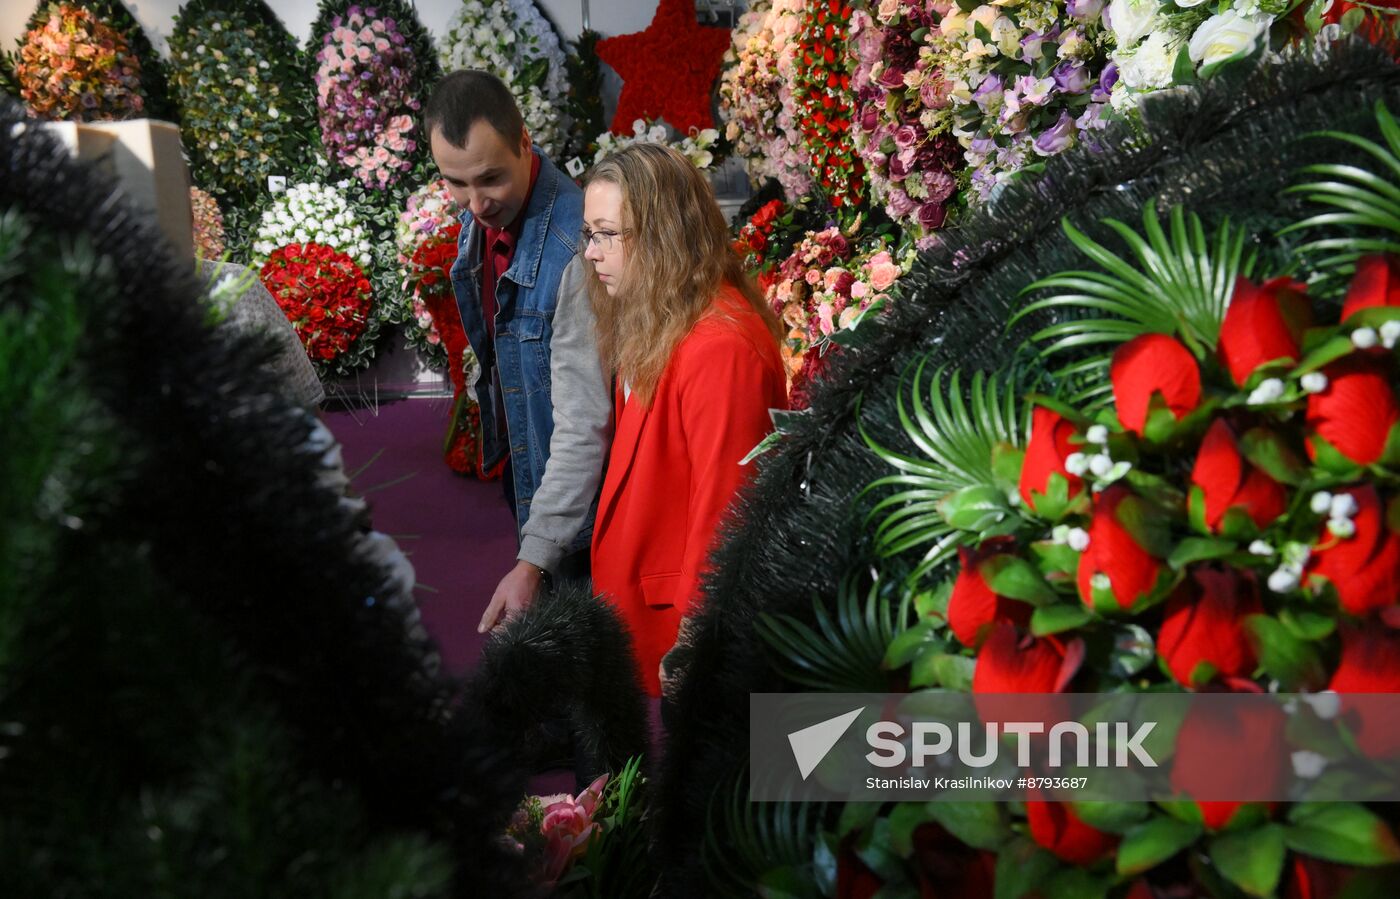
(430, 278)
(326, 297)
(825, 104)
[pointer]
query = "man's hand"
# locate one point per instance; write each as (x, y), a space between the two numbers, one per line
(513, 595)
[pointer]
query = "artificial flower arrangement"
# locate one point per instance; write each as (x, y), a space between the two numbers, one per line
(825, 104)
(366, 96)
(244, 102)
(74, 66)
(592, 844)
(428, 213)
(756, 100)
(770, 235)
(311, 246)
(504, 39)
(1208, 501)
(326, 297)
(700, 146)
(208, 225)
(902, 108)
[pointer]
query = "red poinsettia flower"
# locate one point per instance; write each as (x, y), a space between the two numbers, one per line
(1357, 410)
(974, 607)
(1153, 365)
(1370, 663)
(1046, 452)
(1365, 567)
(1228, 482)
(1204, 623)
(1376, 283)
(1264, 323)
(1114, 553)
(1253, 767)
(1056, 827)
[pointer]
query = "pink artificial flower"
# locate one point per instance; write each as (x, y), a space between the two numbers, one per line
(813, 277)
(567, 827)
(859, 289)
(883, 272)
(381, 44)
(364, 54)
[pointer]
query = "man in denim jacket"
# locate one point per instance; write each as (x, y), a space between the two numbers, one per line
(519, 281)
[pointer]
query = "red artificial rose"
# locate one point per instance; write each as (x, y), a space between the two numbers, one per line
(1357, 410)
(1228, 482)
(974, 607)
(1376, 283)
(1229, 752)
(1153, 365)
(1365, 567)
(1046, 452)
(1370, 663)
(1204, 622)
(1010, 662)
(1313, 878)
(1131, 570)
(1056, 827)
(1263, 324)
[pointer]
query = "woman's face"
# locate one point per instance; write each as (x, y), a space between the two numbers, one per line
(602, 218)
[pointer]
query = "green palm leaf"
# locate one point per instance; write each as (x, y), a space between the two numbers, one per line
(956, 434)
(843, 653)
(744, 840)
(1179, 281)
(1367, 199)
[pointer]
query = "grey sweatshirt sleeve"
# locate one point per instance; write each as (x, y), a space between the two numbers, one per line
(582, 434)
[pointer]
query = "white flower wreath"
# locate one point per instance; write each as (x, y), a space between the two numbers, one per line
(312, 213)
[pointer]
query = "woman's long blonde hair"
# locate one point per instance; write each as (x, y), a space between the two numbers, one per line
(679, 255)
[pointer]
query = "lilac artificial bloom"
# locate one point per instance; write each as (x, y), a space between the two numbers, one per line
(1035, 91)
(1091, 119)
(1071, 77)
(1031, 43)
(906, 136)
(1084, 10)
(1058, 138)
(983, 145)
(1107, 79)
(989, 93)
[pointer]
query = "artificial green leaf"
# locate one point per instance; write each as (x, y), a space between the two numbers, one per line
(1307, 625)
(1133, 650)
(1054, 558)
(1345, 833)
(1267, 451)
(1330, 351)
(1077, 883)
(1006, 463)
(1112, 817)
(1152, 842)
(934, 603)
(1251, 859)
(905, 818)
(971, 508)
(910, 642)
(981, 825)
(954, 672)
(1016, 578)
(1292, 661)
(856, 816)
(1021, 867)
(1199, 549)
(1060, 617)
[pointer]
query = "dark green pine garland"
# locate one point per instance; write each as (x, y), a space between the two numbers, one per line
(1226, 148)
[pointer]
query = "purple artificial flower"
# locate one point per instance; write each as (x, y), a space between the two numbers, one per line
(906, 136)
(1058, 138)
(1035, 91)
(983, 145)
(939, 186)
(1071, 77)
(1107, 79)
(931, 215)
(1031, 43)
(989, 93)
(900, 204)
(869, 118)
(931, 93)
(1091, 119)
(902, 163)
(1084, 10)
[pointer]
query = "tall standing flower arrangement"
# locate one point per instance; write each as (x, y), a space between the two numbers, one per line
(246, 110)
(825, 104)
(492, 35)
(367, 97)
(903, 115)
(74, 66)
(208, 225)
(428, 214)
(756, 99)
(1024, 81)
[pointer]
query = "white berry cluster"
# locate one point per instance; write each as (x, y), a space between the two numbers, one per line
(1097, 464)
(312, 213)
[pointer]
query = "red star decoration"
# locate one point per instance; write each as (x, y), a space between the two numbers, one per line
(668, 70)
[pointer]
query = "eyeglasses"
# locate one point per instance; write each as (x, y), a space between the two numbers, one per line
(603, 240)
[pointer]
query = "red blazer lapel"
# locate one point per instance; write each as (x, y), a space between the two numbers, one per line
(631, 417)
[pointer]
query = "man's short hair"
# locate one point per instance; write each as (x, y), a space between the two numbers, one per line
(467, 96)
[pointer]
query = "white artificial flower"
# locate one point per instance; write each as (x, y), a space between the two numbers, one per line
(1260, 548)
(1078, 539)
(1100, 464)
(1321, 502)
(1100, 581)
(1308, 764)
(1270, 390)
(1225, 35)
(1341, 528)
(1343, 506)
(1283, 580)
(1390, 333)
(1325, 704)
(1077, 464)
(1314, 382)
(1364, 338)
(1059, 534)
(1097, 434)
(1132, 20)
(1150, 66)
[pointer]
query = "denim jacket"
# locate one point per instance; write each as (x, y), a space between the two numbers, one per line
(545, 363)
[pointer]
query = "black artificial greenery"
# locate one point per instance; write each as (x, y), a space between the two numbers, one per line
(1225, 149)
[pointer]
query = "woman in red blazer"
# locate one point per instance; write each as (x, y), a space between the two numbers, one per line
(694, 352)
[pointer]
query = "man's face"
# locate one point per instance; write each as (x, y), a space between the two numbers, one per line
(488, 175)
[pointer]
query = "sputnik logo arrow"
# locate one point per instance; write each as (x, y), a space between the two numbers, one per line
(811, 744)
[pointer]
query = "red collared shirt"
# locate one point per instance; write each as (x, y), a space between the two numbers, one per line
(500, 250)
